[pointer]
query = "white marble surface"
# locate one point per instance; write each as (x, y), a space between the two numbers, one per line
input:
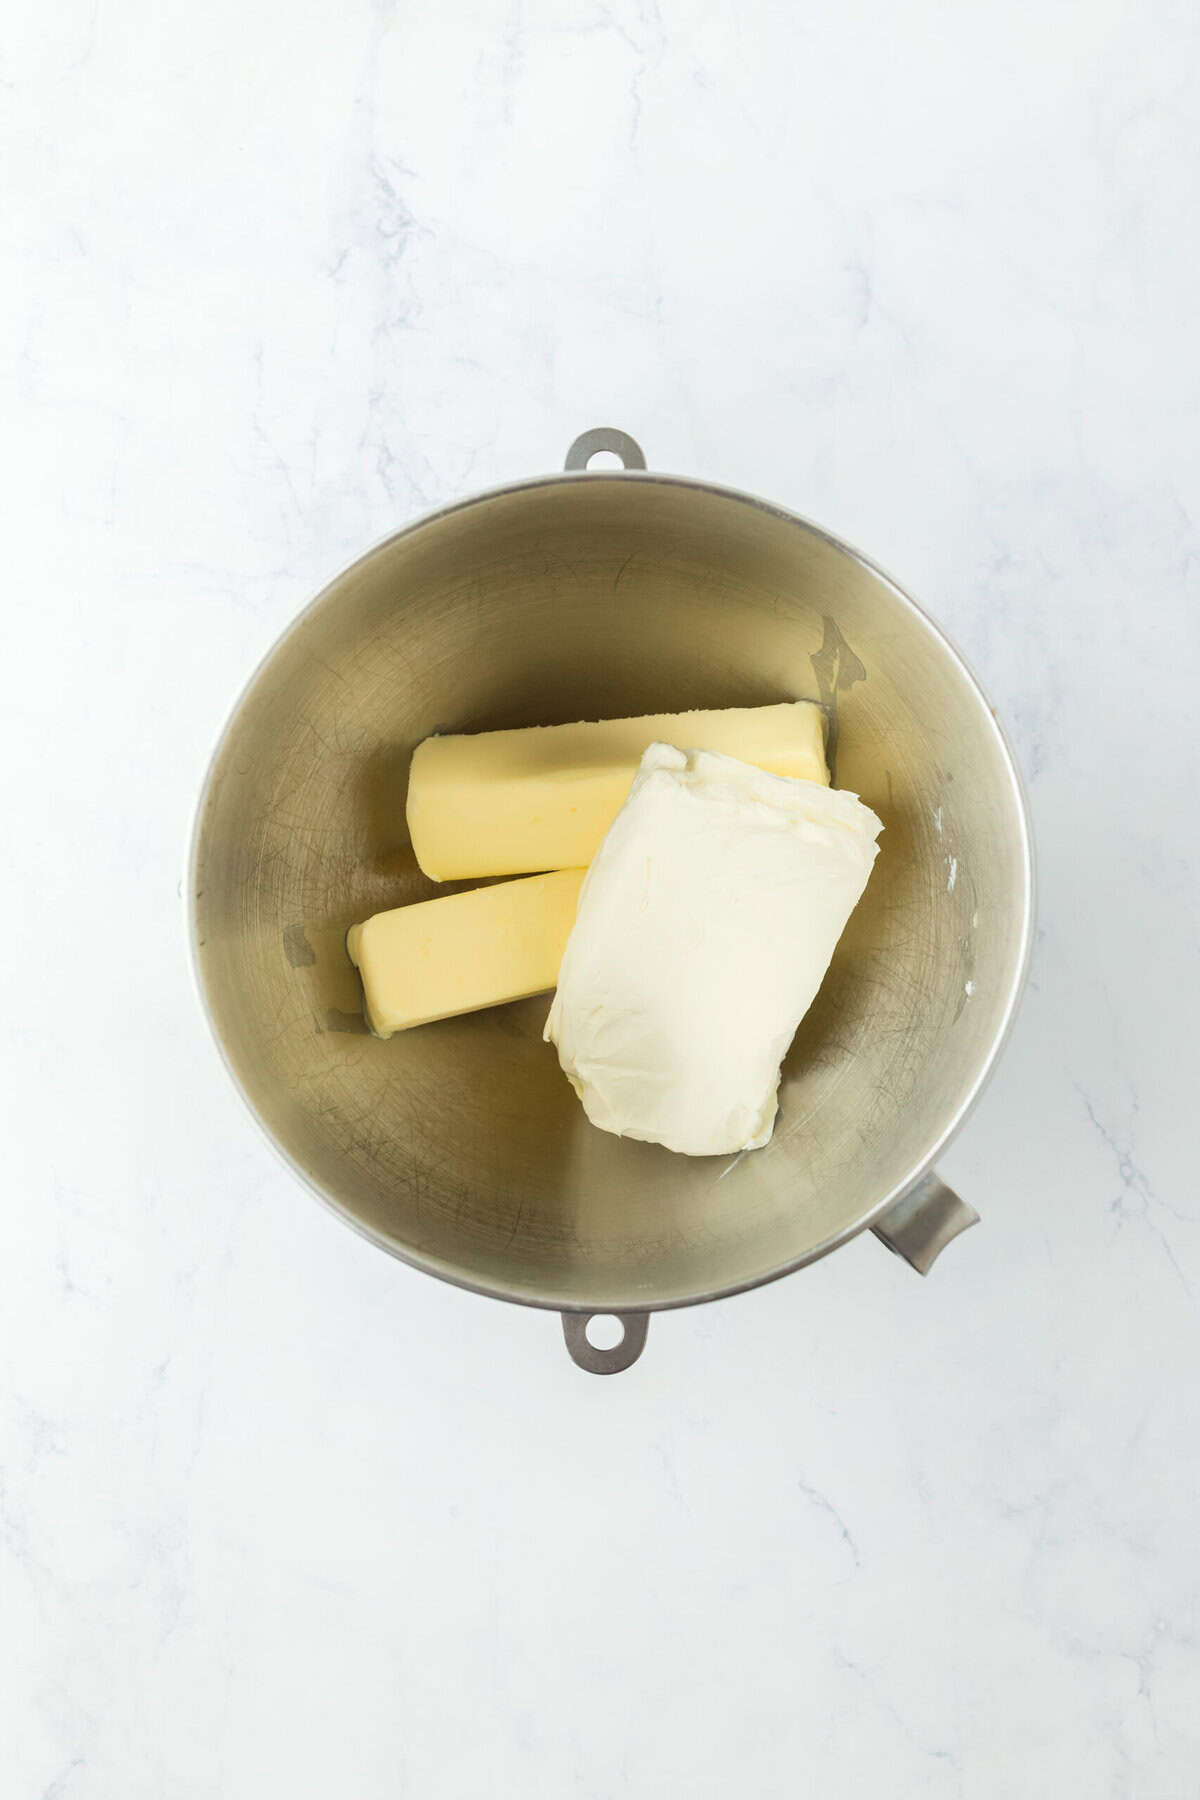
(279, 1517)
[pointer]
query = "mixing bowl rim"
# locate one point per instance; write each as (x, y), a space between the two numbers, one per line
(629, 1302)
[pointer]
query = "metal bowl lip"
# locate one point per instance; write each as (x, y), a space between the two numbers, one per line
(631, 1301)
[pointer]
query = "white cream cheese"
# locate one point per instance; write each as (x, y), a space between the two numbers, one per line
(705, 926)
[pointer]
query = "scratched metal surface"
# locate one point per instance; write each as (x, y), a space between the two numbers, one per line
(460, 1146)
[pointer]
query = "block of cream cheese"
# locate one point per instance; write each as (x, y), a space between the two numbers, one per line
(705, 926)
(502, 802)
(462, 952)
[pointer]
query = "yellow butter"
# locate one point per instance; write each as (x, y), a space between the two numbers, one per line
(463, 952)
(502, 802)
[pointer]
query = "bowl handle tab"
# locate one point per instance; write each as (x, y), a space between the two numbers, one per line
(605, 437)
(919, 1227)
(622, 1355)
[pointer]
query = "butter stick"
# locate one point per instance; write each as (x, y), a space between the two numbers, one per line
(462, 952)
(503, 802)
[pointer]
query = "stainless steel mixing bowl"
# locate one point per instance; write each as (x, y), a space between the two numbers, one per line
(460, 1147)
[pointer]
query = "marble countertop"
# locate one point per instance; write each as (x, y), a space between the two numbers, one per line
(280, 1517)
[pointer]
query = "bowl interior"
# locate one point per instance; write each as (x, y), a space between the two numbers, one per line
(460, 1145)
